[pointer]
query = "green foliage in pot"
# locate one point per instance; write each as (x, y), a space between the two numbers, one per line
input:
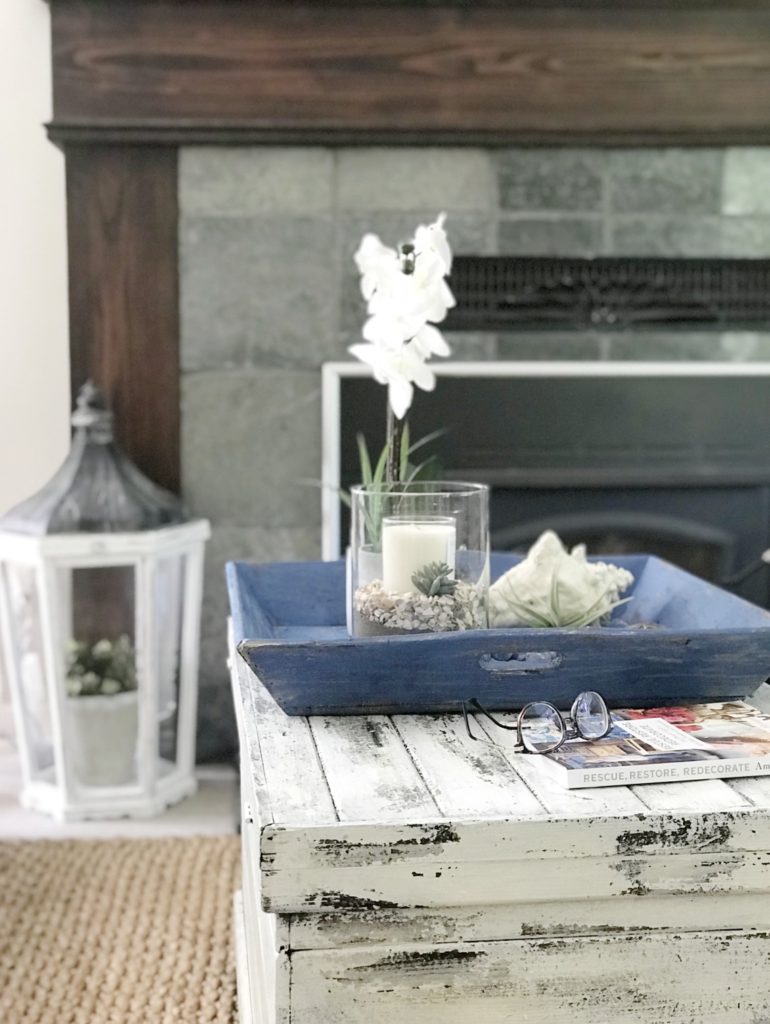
(374, 477)
(101, 669)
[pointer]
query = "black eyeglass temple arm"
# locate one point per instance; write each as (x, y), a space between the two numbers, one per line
(475, 705)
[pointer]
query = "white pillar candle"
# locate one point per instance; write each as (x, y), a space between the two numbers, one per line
(410, 544)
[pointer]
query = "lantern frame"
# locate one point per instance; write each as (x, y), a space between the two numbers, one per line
(155, 786)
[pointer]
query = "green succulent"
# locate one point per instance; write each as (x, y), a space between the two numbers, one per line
(435, 580)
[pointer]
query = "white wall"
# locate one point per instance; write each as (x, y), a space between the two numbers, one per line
(34, 389)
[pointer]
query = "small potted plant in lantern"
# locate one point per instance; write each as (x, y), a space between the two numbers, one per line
(103, 708)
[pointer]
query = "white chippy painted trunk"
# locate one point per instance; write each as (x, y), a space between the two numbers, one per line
(397, 872)
(647, 979)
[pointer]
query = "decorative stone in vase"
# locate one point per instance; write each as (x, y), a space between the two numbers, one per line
(419, 558)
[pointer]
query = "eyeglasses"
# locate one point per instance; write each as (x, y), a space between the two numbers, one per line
(541, 728)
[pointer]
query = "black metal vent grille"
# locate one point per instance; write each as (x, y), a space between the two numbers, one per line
(609, 293)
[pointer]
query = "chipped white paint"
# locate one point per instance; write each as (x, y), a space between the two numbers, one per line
(246, 993)
(441, 883)
(647, 979)
(369, 772)
(397, 871)
(287, 778)
(446, 925)
(466, 778)
(259, 929)
(267, 940)
(708, 795)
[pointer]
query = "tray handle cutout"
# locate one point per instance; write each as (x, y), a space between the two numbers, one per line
(518, 664)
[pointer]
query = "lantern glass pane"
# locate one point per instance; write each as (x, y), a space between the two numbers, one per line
(28, 664)
(102, 675)
(169, 601)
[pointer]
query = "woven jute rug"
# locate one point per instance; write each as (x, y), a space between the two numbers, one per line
(134, 931)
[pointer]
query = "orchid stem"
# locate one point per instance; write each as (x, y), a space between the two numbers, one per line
(393, 438)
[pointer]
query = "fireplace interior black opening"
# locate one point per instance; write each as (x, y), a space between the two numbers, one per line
(677, 466)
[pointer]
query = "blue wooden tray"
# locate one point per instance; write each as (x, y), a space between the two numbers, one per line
(289, 623)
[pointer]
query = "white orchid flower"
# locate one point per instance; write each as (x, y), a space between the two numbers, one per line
(400, 369)
(406, 294)
(429, 281)
(429, 341)
(392, 329)
(376, 262)
(432, 237)
(423, 293)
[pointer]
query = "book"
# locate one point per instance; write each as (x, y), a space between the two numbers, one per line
(678, 744)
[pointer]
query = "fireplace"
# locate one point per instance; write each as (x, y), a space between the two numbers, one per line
(220, 175)
(668, 459)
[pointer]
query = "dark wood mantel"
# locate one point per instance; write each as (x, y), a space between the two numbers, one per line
(255, 70)
(134, 79)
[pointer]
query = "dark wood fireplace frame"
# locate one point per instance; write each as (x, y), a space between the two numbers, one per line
(133, 80)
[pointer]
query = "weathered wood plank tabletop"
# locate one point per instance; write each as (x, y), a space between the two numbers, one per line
(396, 865)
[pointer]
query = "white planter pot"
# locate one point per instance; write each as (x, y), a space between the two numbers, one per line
(103, 733)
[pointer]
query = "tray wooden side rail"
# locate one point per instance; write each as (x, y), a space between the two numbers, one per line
(679, 640)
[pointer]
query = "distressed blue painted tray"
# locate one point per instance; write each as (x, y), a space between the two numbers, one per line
(289, 623)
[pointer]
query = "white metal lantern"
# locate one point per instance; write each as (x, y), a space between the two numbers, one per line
(100, 597)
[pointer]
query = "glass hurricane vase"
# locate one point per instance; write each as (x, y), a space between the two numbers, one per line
(419, 558)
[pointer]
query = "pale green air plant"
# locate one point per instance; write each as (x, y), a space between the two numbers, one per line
(554, 617)
(552, 587)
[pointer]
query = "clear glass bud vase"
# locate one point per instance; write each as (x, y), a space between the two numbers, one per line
(419, 558)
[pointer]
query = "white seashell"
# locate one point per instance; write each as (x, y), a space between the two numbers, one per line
(554, 587)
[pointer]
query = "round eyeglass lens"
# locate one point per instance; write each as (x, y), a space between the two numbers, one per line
(590, 715)
(541, 727)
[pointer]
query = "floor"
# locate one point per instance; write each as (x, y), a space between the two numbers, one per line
(213, 810)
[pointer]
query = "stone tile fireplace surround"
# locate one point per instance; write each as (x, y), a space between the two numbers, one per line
(269, 293)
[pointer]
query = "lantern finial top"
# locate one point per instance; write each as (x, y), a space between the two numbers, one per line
(91, 414)
(97, 489)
